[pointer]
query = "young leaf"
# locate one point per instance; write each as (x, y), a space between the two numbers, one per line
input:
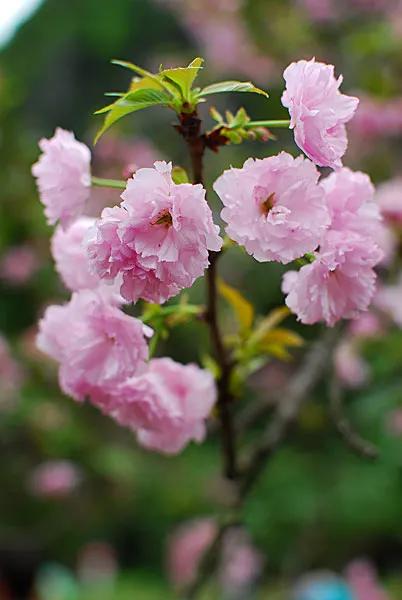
(283, 337)
(276, 316)
(179, 175)
(157, 80)
(277, 341)
(210, 363)
(147, 83)
(243, 308)
(231, 86)
(130, 102)
(183, 77)
(240, 119)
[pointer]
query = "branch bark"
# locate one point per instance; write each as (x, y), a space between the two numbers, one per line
(344, 427)
(190, 129)
(310, 372)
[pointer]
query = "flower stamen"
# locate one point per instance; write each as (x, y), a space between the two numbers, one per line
(268, 204)
(163, 218)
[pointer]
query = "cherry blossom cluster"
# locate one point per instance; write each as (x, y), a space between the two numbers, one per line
(159, 240)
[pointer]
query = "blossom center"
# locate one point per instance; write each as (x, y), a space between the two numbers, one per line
(267, 204)
(163, 218)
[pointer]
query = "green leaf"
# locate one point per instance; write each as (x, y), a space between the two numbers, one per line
(144, 83)
(131, 102)
(277, 341)
(183, 77)
(240, 119)
(231, 86)
(179, 175)
(243, 308)
(276, 316)
(215, 114)
(210, 363)
(157, 80)
(284, 337)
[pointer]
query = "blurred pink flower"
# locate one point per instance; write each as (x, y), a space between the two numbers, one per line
(97, 563)
(18, 264)
(394, 422)
(242, 563)
(378, 118)
(63, 177)
(367, 324)
(350, 368)
(220, 30)
(186, 547)
(239, 564)
(11, 375)
(362, 579)
(389, 198)
(96, 345)
(115, 153)
(389, 299)
(318, 111)
(158, 238)
(265, 207)
(319, 10)
(54, 479)
(167, 405)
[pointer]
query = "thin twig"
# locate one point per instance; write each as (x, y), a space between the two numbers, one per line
(299, 389)
(224, 396)
(210, 559)
(344, 427)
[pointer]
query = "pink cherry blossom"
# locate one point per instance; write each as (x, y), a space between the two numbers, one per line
(96, 345)
(54, 479)
(167, 405)
(274, 207)
(350, 199)
(389, 198)
(338, 284)
(63, 177)
(69, 253)
(318, 111)
(158, 238)
(72, 262)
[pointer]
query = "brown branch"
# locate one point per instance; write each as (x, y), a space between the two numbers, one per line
(225, 399)
(310, 372)
(190, 129)
(344, 427)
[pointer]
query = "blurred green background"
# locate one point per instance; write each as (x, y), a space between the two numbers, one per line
(317, 506)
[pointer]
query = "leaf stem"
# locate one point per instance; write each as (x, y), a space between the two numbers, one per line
(112, 183)
(282, 123)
